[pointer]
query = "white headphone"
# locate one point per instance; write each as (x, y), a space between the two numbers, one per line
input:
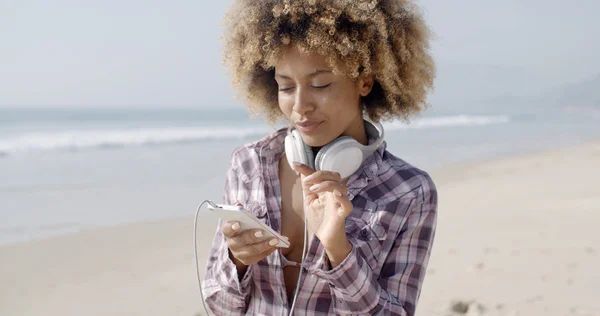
(343, 155)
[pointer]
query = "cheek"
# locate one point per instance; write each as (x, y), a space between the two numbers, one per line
(337, 101)
(286, 104)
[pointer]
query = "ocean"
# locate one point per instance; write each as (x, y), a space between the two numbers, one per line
(63, 170)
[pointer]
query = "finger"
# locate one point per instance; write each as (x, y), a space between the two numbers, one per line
(254, 259)
(342, 199)
(328, 186)
(322, 175)
(246, 238)
(318, 177)
(258, 248)
(310, 198)
(303, 169)
(230, 229)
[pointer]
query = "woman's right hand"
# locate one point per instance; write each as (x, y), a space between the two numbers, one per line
(245, 248)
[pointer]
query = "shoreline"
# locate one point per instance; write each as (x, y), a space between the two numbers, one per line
(443, 172)
(524, 255)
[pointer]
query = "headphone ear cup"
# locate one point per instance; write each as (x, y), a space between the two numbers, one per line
(297, 151)
(342, 156)
(321, 155)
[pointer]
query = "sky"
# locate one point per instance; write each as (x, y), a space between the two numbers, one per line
(168, 53)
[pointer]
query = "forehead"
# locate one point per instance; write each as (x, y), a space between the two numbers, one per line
(293, 62)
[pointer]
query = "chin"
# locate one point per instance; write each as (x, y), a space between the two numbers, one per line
(317, 140)
(319, 137)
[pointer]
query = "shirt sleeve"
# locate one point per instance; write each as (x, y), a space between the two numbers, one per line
(397, 289)
(223, 291)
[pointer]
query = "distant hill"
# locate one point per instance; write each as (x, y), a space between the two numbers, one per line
(481, 88)
(584, 94)
(493, 88)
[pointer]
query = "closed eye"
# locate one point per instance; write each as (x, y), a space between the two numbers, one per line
(322, 87)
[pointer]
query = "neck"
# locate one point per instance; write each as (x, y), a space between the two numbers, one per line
(357, 131)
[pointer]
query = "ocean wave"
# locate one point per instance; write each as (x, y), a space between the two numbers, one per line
(74, 140)
(449, 121)
(89, 139)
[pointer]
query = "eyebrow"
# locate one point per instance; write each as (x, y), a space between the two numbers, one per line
(312, 74)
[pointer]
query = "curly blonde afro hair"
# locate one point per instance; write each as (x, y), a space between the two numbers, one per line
(387, 39)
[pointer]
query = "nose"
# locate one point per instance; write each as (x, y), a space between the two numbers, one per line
(303, 102)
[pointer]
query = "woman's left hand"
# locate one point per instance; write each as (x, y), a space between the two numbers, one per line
(326, 204)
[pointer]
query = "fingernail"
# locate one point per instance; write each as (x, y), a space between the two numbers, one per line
(235, 226)
(308, 179)
(338, 193)
(258, 234)
(273, 242)
(314, 187)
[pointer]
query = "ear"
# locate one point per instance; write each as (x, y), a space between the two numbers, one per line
(365, 84)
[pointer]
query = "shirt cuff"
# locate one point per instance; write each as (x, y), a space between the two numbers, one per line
(350, 282)
(344, 275)
(229, 279)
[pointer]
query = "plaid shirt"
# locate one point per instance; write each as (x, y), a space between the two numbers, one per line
(391, 229)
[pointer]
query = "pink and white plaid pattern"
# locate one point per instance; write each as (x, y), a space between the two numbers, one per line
(391, 227)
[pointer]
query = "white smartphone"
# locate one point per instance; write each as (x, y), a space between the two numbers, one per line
(247, 221)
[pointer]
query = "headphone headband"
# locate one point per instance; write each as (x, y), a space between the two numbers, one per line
(373, 129)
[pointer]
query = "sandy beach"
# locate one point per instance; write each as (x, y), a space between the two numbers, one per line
(516, 236)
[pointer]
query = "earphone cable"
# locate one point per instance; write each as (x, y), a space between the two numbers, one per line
(196, 251)
(303, 257)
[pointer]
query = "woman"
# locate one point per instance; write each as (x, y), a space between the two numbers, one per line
(325, 67)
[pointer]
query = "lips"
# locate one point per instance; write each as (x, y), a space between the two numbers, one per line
(307, 126)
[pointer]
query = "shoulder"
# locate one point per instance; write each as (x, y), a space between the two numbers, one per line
(399, 180)
(246, 159)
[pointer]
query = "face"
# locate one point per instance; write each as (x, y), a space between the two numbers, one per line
(321, 106)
